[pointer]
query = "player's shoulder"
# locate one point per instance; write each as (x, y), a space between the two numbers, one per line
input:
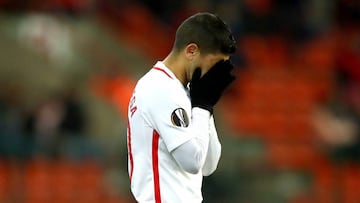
(153, 82)
(159, 84)
(159, 79)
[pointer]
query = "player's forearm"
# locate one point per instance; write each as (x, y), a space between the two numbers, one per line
(214, 151)
(192, 154)
(200, 126)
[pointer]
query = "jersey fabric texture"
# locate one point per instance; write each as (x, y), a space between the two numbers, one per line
(159, 121)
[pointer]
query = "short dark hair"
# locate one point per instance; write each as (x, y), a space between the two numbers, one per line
(208, 31)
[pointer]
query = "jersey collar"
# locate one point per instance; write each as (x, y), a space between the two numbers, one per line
(161, 67)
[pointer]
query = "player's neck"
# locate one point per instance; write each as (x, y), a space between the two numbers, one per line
(177, 66)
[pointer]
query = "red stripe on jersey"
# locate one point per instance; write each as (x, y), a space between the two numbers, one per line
(156, 68)
(155, 163)
(130, 150)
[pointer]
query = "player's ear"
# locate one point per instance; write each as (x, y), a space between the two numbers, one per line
(191, 51)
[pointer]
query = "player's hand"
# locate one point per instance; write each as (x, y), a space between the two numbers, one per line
(206, 91)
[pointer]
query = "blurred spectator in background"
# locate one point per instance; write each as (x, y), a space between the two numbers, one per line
(74, 118)
(11, 121)
(55, 120)
(339, 122)
(43, 126)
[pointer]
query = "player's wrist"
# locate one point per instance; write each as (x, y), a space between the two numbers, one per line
(202, 111)
(203, 104)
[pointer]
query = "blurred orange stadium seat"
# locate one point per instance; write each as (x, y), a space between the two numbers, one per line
(299, 127)
(319, 54)
(350, 183)
(90, 179)
(325, 185)
(292, 155)
(64, 181)
(37, 181)
(274, 126)
(4, 181)
(140, 27)
(254, 49)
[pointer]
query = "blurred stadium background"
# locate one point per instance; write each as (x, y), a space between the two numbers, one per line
(290, 126)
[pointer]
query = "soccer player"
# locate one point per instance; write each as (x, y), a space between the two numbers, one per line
(172, 139)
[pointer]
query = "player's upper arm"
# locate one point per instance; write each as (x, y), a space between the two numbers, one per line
(168, 110)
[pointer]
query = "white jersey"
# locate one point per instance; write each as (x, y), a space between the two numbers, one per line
(159, 116)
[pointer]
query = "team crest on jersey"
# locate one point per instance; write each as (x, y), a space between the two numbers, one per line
(179, 118)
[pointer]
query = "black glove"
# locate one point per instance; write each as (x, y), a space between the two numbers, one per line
(206, 91)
